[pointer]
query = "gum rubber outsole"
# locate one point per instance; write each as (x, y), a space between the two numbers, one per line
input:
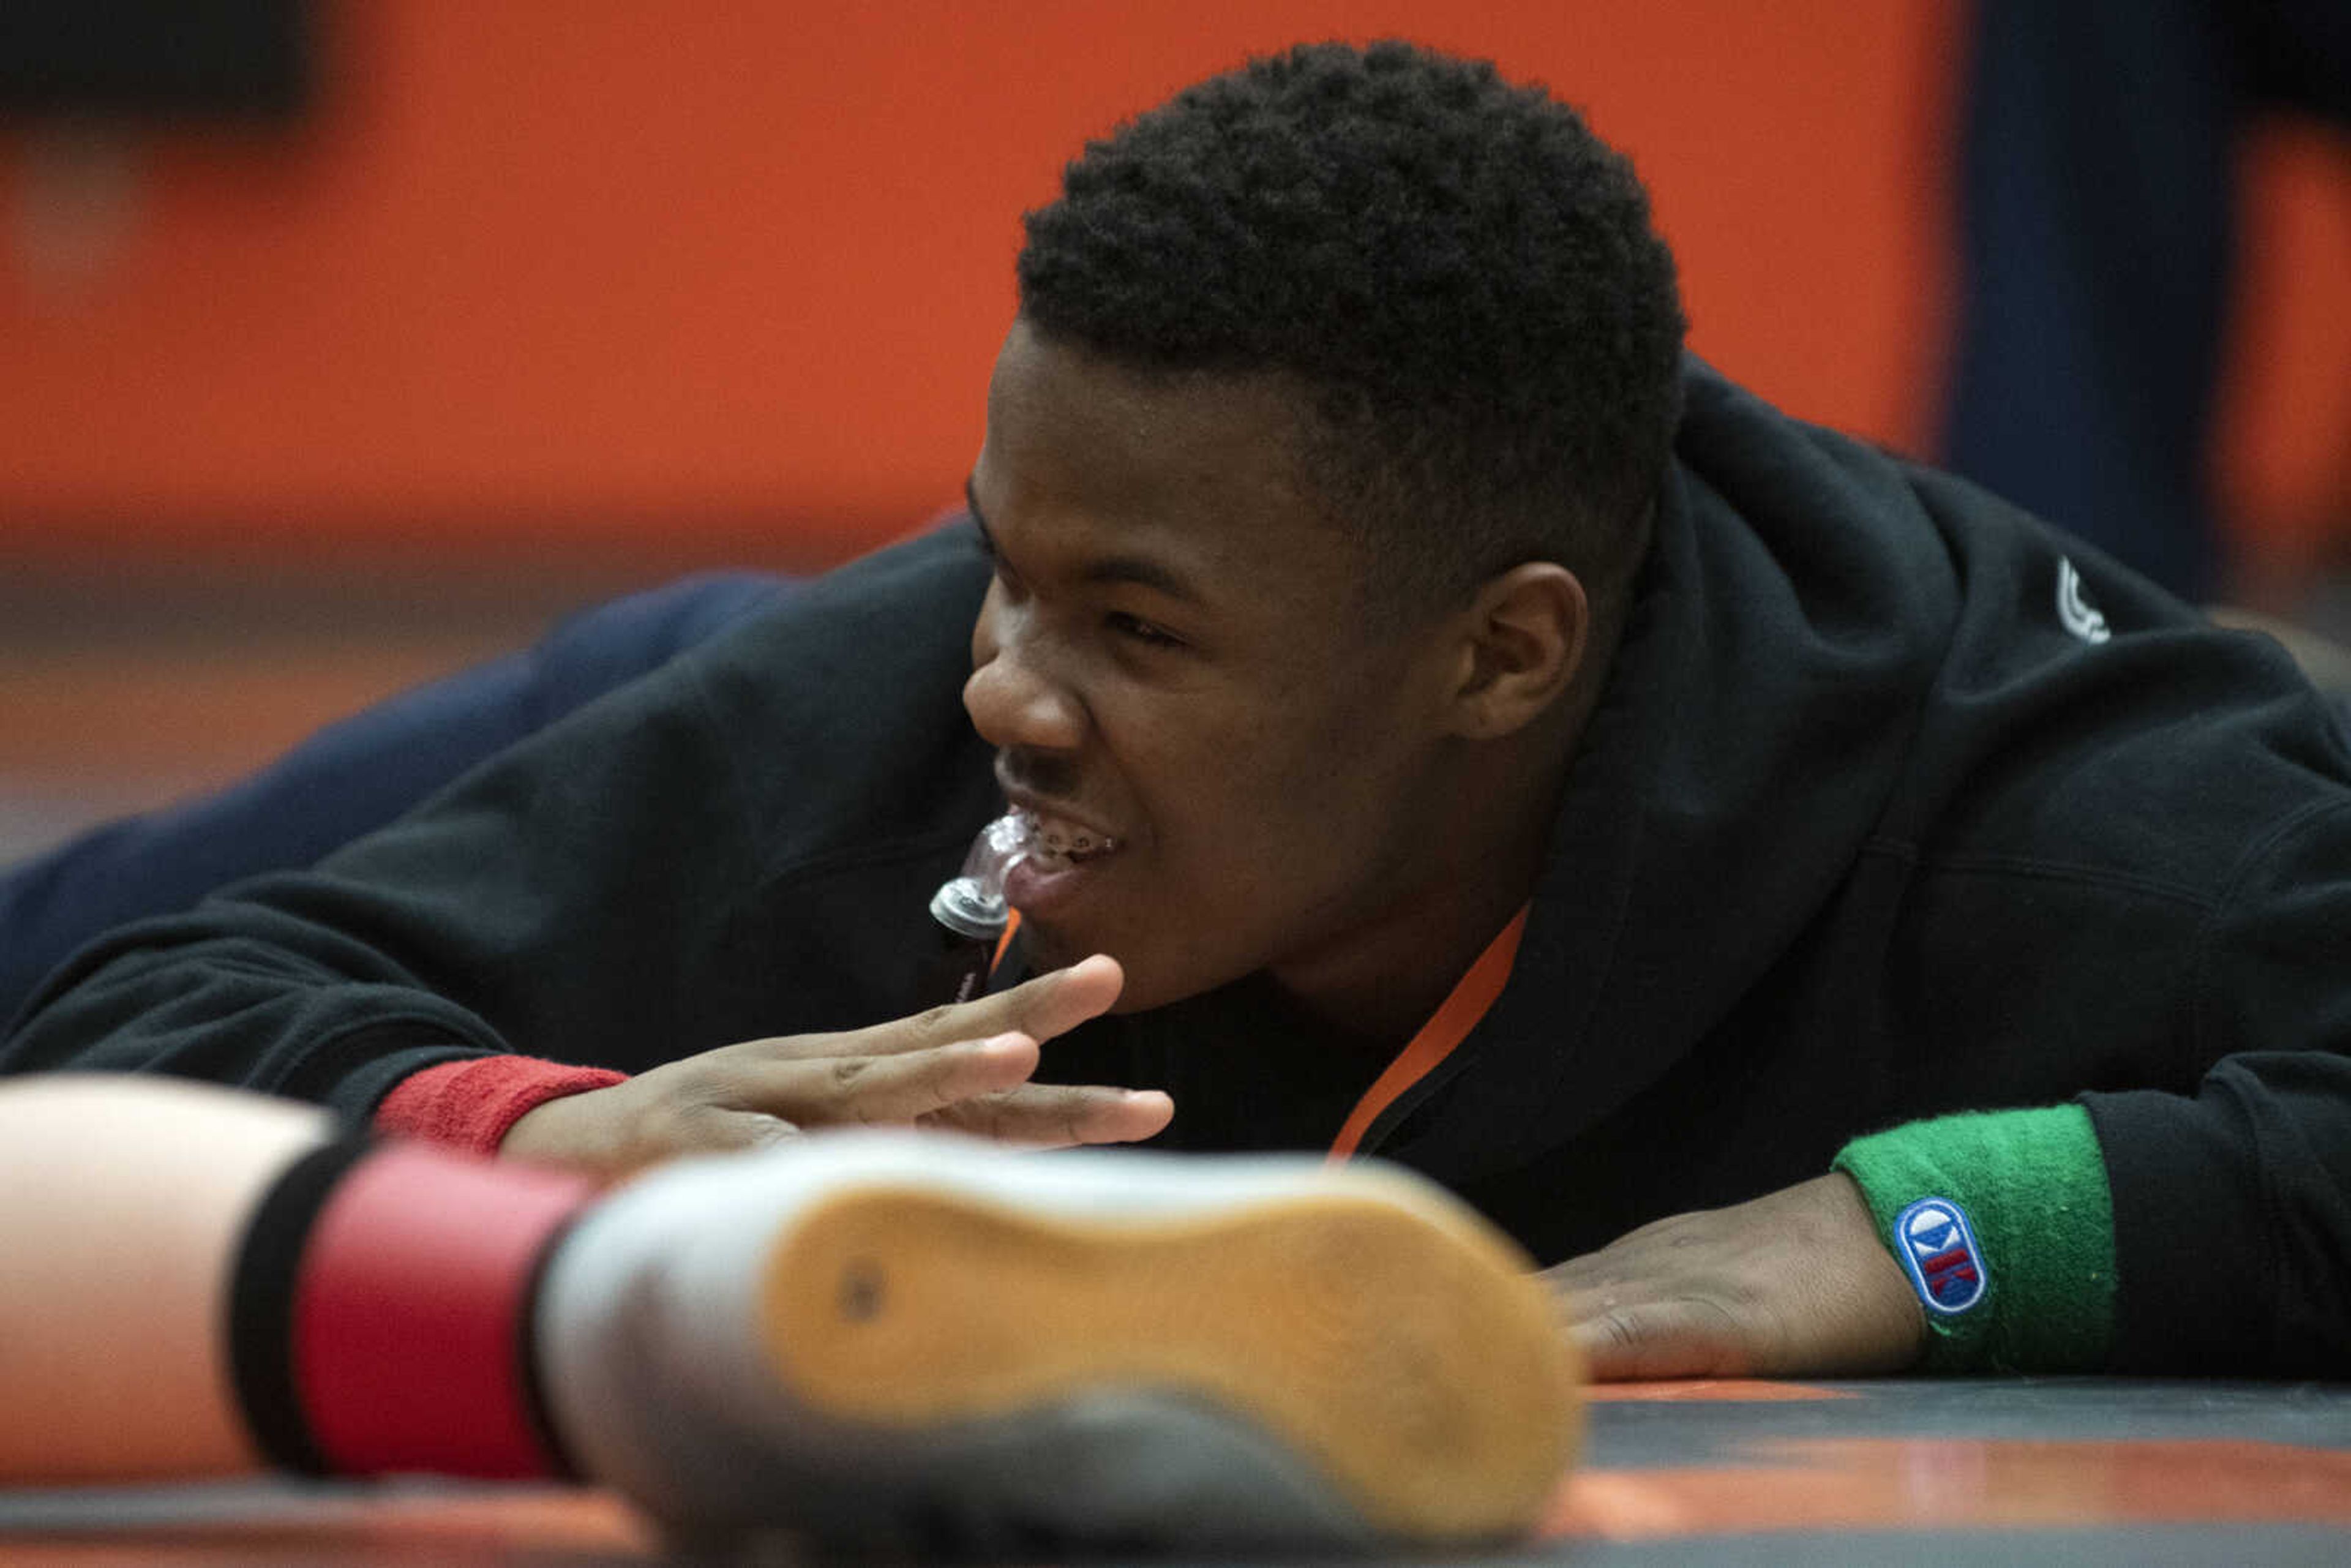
(1403, 1353)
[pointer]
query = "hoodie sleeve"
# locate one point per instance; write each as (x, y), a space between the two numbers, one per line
(550, 904)
(2232, 1204)
(729, 847)
(350, 777)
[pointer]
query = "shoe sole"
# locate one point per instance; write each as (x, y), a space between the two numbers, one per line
(1403, 1352)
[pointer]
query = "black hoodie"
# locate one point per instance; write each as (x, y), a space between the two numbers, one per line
(1897, 803)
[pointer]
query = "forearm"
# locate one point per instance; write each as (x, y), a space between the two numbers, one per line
(247, 993)
(1805, 1281)
(127, 1199)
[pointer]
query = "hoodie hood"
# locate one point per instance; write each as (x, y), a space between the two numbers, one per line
(1795, 603)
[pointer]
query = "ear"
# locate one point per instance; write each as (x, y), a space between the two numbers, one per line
(1521, 643)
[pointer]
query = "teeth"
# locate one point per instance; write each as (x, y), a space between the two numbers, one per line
(1062, 839)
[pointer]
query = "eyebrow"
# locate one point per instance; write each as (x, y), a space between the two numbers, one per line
(1140, 570)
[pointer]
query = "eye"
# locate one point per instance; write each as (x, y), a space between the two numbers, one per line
(1135, 629)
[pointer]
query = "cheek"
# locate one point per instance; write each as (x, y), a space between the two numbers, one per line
(1263, 771)
(1351, 776)
(1274, 798)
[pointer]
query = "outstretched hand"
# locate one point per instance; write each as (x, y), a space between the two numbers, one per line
(1795, 1283)
(964, 1066)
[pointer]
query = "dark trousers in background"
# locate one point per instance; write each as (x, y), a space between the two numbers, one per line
(2097, 217)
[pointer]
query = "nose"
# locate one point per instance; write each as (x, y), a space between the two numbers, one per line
(1013, 697)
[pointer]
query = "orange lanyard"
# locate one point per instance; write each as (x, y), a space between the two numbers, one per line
(1447, 1027)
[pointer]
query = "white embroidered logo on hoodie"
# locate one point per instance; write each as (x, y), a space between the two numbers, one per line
(2075, 612)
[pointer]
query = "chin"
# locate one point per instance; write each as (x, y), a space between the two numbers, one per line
(1147, 989)
(1151, 980)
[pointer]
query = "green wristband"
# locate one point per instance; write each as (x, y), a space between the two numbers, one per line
(2032, 1185)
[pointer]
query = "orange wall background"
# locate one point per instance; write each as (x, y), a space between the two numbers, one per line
(656, 282)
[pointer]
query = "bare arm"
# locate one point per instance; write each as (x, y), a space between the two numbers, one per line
(126, 1199)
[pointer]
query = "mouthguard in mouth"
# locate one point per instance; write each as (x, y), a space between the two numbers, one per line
(1056, 846)
(971, 904)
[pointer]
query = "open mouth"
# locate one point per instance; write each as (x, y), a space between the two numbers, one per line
(1057, 844)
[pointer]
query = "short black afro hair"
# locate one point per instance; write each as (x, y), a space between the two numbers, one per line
(1460, 277)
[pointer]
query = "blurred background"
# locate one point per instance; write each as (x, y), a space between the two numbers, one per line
(344, 342)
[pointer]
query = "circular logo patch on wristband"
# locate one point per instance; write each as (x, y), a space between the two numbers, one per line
(1938, 1250)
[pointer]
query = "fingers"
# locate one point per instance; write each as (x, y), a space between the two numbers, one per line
(1654, 1339)
(1041, 1008)
(964, 1066)
(887, 1089)
(978, 1087)
(1057, 1003)
(1053, 1116)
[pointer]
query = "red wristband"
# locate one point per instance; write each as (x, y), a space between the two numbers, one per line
(411, 1333)
(470, 1104)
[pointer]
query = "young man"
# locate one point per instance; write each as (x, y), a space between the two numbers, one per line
(1479, 737)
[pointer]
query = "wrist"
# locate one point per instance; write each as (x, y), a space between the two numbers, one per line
(476, 1102)
(1883, 1292)
(562, 1129)
(2012, 1265)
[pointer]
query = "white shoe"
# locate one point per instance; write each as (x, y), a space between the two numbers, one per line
(927, 1343)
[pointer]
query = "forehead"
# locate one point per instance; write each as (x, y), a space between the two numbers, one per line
(1199, 467)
